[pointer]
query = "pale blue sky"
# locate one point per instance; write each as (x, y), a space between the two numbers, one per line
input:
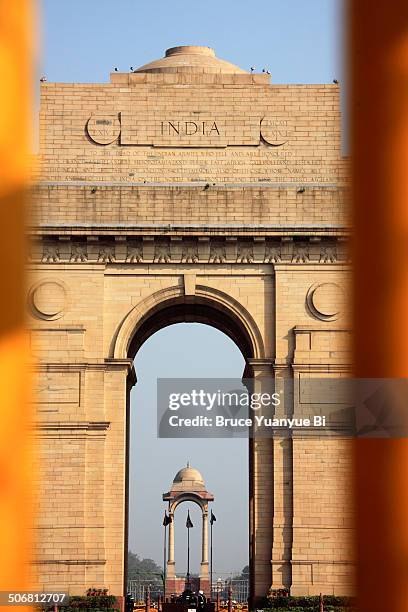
(82, 41)
(190, 350)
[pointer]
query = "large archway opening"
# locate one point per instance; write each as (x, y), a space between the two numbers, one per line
(186, 337)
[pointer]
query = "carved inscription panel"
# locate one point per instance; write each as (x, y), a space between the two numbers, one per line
(274, 134)
(233, 164)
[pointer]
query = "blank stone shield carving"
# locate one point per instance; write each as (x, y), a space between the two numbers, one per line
(48, 300)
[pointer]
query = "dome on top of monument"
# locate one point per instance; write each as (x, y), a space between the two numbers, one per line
(191, 59)
(188, 478)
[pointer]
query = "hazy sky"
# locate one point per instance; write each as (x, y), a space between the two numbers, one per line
(82, 41)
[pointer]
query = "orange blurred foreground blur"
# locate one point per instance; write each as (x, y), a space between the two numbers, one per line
(379, 106)
(15, 475)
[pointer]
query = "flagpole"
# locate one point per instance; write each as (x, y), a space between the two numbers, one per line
(211, 559)
(164, 562)
(188, 557)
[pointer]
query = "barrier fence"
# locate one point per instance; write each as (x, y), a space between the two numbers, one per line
(239, 587)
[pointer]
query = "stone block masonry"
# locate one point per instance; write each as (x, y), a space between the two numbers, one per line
(188, 190)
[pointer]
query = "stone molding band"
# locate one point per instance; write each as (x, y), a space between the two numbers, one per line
(79, 426)
(69, 562)
(189, 250)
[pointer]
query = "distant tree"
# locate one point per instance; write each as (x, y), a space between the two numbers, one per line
(143, 569)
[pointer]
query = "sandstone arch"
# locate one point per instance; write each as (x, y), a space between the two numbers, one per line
(230, 317)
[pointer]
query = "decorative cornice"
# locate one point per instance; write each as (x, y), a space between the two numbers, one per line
(283, 249)
(300, 329)
(57, 328)
(254, 367)
(188, 228)
(91, 364)
(73, 426)
(69, 562)
(326, 368)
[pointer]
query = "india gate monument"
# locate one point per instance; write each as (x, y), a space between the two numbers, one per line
(187, 190)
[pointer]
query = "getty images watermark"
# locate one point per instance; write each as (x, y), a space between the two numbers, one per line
(227, 408)
(224, 408)
(210, 401)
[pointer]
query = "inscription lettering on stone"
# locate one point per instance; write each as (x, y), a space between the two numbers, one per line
(189, 128)
(276, 132)
(103, 129)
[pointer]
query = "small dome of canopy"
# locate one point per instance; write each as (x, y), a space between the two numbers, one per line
(188, 479)
(191, 59)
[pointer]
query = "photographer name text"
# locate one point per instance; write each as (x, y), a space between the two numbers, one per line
(258, 421)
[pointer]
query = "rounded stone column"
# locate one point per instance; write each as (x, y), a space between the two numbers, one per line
(204, 544)
(170, 554)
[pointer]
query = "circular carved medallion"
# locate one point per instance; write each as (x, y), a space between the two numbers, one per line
(325, 301)
(276, 131)
(103, 129)
(48, 299)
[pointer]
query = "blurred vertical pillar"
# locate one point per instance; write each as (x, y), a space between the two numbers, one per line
(15, 106)
(379, 109)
